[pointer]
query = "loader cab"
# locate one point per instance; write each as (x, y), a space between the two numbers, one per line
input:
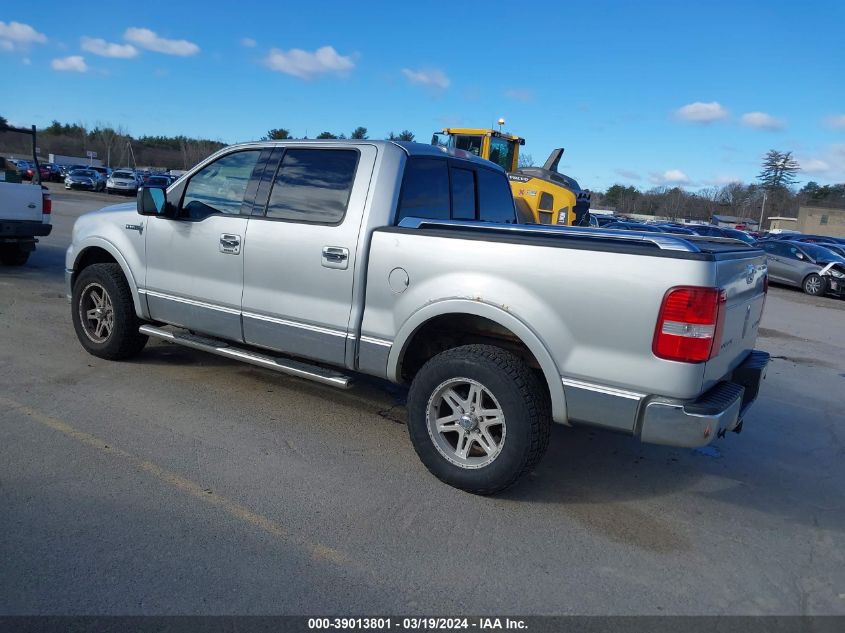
(498, 147)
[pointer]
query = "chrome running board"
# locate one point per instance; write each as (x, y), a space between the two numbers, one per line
(223, 348)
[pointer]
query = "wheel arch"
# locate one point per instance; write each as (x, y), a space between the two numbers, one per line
(477, 315)
(99, 251)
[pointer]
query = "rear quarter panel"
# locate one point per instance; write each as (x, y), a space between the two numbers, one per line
(595, 312)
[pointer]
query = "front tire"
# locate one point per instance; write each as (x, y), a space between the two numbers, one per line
(104, 314)
(814, 285)
(478, 418)
(13, 255)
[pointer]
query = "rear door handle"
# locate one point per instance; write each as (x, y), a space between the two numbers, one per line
(336, 257)
(230, 244)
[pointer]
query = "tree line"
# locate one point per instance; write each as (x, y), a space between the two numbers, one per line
(774, 194)
(113, 145)
(281, 134)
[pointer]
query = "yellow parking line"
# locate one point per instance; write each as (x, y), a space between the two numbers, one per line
(316, 550)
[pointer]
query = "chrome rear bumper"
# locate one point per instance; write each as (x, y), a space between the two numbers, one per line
(721, 409)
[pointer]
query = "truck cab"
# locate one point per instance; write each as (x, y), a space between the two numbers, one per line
(542, 194)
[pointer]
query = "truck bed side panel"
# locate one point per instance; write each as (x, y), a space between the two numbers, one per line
(594, 311)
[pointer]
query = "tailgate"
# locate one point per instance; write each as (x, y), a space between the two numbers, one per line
(743, 280)
(20, 201)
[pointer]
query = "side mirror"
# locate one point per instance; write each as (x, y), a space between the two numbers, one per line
(152, 201)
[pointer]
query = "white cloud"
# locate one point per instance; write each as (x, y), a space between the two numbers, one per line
(307, 65)
(249, 42)
(836, 121)
(145, 38)
(74, 63)
(670, 177)
(814, 166)
(519, 94)
(16, 35)
(427, 77)
(762, 121)
(701, 112)
(722, 180)
(103, 48)
(828, 163)
(628, 173)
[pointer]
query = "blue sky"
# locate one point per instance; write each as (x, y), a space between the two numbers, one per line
(638, 93)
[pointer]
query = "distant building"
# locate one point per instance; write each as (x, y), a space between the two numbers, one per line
(820, 219)
(733, 222)
(780, 223)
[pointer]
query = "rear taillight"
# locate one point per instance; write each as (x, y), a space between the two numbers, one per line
(46, 203)
(689, 325)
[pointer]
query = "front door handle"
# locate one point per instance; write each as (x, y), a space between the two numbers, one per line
(336, 257)
(230, 244)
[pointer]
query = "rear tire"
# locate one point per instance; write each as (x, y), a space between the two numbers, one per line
(104, 314)
(13, 255)
(814, 285)
(478, 418)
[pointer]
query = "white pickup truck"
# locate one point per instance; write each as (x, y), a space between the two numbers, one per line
(327, 259)
(25, 209)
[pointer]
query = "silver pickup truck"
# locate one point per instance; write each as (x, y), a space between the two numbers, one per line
(405, 261)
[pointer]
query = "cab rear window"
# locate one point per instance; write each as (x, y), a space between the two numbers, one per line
(440, 189)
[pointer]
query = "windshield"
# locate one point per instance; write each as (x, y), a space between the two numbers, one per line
(84, 172)
(122, 174)
(822, 254)
(158, 181)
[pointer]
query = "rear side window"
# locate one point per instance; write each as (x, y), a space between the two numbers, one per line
(495, 202)
(425, 190)
(313, 185)
(463, 194)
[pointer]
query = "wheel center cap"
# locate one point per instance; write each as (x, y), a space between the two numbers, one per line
(468, 422)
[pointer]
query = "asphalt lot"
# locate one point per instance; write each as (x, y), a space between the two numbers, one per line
(183, 483)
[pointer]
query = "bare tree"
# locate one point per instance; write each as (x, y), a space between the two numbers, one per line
(525, 160)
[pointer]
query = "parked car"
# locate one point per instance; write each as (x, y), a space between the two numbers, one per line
(43, 170)
(122, 182)
(103, 174)
(24, 168)
(800, 237)
(600, 220)
(674, 228)
(84, 179)
(55, 172)
(632, 226)
(67, 169)
(811, 267)
(651, 228)
(158, 181)
(720, 231)
(405, 261)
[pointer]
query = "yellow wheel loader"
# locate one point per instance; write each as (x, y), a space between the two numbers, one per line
(542, 194)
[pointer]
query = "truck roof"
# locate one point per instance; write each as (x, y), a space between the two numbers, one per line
(410, 148)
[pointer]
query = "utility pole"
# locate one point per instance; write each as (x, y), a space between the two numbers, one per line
(762, 211)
